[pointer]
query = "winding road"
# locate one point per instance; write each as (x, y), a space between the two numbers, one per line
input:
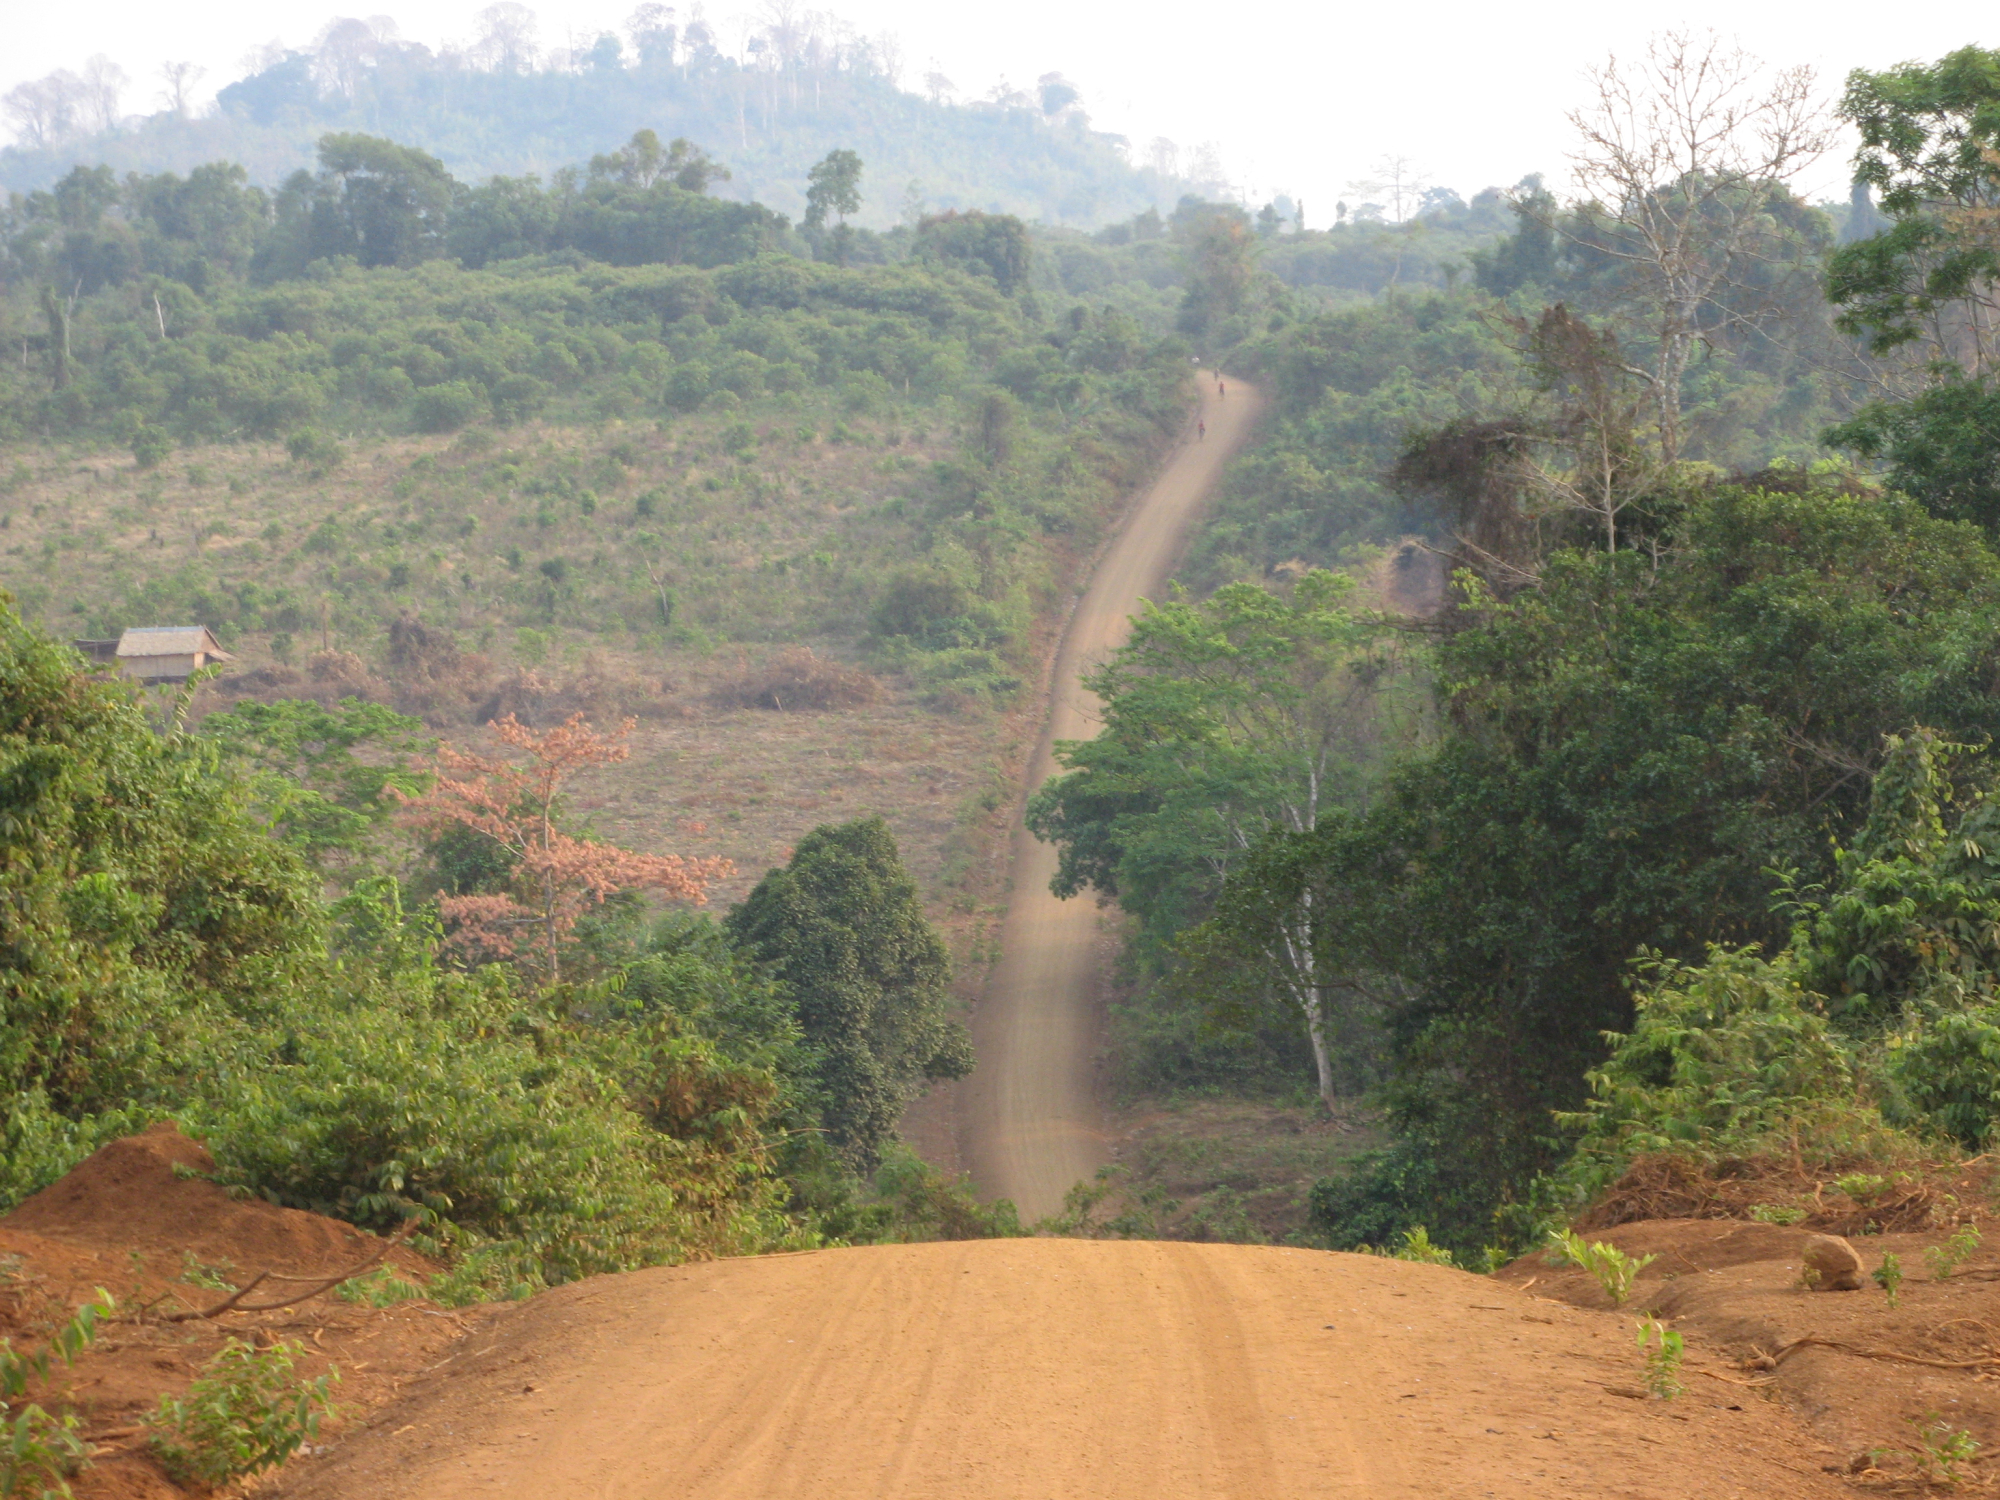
(1031, 1125)
(1057, 1369)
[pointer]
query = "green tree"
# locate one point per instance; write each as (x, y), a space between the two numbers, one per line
(995, 245)
(1220, 255)
(1225, 721)
(1626, 753)
(643, 161)
(382, 203)
(833, 187)
(305, 778)
(1929, 136)
(139, 904)
(842, 929)
(1925, 292)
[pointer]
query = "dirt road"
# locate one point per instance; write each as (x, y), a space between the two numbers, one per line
(1054, 1369)
(1031, 1121)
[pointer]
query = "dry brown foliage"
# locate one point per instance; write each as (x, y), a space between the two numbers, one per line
(557, 877)
(798, 679)
(1673, 1186)
(595, 691)
(431, 677)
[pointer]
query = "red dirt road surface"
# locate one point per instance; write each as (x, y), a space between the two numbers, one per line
(1032, 1124)
(1055, 1369)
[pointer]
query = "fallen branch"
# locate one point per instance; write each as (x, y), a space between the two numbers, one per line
(235, 1303)
(1813, 1341)
(1733, 1380)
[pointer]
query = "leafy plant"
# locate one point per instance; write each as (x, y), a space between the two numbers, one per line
(1614, 1270)
(1773, 1213)
(1889, 1276)
(1862, 1187)
(197, 1272)
(1953, 1253)
(381, 1287)
(245, 1413)
(40, 1451)
(1417, 1246)
(1943, 1452)
(1662, 1347)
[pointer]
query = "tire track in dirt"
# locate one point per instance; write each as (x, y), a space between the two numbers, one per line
(1032, 1125)
(1048, 1369)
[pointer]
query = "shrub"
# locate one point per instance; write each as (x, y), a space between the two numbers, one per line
(445, 408)
(1663, 1347)
(518, 397)
(509, 1144)
(311, 449)
(1417, 1246)
(1944, 1259)
(246, 1412)
(150, 445)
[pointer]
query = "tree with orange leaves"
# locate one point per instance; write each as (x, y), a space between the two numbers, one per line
(556, 877)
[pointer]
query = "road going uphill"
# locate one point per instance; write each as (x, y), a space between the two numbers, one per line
(1055, 1369)
(1032, 1127)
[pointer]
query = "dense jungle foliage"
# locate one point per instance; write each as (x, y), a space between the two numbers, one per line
(165, 955)
(1670, 833)
(1665, 833)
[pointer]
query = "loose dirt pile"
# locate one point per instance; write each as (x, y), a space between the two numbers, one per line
(133, 1221)
(148, 1195)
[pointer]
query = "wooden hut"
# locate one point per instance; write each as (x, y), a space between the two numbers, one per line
(168, 653)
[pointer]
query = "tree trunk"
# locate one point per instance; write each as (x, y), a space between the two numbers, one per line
(1316, 1030)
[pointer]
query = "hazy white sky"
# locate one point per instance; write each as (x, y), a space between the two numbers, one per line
(1300, 98)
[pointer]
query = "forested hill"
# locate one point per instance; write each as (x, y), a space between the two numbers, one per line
(796, 94)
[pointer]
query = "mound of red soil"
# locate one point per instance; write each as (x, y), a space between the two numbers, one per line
(128, 1197)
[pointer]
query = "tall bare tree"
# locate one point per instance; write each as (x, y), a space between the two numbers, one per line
(104, 83)
(1398, 179)
(45, 111)
(1678, 158)
(180, 79)
(506, 37)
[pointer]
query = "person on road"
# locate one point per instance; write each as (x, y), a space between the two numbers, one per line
(1221, 390)
(1200, 431)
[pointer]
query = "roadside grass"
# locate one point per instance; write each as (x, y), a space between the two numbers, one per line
(1235, 1170)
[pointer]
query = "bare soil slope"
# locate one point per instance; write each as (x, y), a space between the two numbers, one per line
(1057, 1368)
(1032, 1122)
(1863, 1375)
(126, 1222)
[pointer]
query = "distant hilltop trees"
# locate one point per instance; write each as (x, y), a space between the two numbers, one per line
(503, 104)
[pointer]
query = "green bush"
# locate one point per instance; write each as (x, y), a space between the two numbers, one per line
(39, 1451)
(150, 445)
(446, 407)
(503, 1135)
(246, 1412)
